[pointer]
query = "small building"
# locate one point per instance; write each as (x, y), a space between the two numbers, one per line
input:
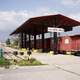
(70, 43)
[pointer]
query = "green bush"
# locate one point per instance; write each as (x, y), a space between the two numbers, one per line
(4, 63)
(24, 62)
(30, 62)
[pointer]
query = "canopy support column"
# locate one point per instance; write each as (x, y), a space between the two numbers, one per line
(42, 41)
(55, 42)
(21, 42)
(55, 36)
(25, 41)
(29, 42)
(35, 41)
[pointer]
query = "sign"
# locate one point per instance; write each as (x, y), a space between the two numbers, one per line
(66, 41)
(51, 29)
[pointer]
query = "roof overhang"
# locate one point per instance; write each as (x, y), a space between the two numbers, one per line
(75, 36)
(38, 24)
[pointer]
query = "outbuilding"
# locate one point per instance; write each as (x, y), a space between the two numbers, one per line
(70, 43)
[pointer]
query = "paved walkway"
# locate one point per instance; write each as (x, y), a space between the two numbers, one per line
(66, 62)
(61, 67)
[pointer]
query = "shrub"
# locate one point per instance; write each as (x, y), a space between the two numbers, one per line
(4, 63)
(30, 62)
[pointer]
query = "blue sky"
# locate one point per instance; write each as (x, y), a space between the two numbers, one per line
(14, 12)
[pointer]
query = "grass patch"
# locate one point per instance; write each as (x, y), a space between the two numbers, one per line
(30, 62)
(4, 62)
(24, 62)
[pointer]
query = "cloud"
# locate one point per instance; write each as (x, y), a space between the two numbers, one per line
(75, 16)
(15, 18)
(70, 2)
(10, 20)
(42, 11)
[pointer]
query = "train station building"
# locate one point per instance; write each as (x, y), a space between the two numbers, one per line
(33, 33)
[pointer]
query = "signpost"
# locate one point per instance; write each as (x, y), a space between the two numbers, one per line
(55, 31)
(50, 29)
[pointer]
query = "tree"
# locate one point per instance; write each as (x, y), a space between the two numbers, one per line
(14, 42)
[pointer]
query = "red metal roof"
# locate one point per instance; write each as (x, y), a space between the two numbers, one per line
(37, 24)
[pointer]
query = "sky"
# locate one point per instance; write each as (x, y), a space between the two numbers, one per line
(14, 12)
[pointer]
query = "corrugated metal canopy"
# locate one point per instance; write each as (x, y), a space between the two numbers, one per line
(38, 24)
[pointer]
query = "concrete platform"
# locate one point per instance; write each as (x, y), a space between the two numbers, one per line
(60, 67)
